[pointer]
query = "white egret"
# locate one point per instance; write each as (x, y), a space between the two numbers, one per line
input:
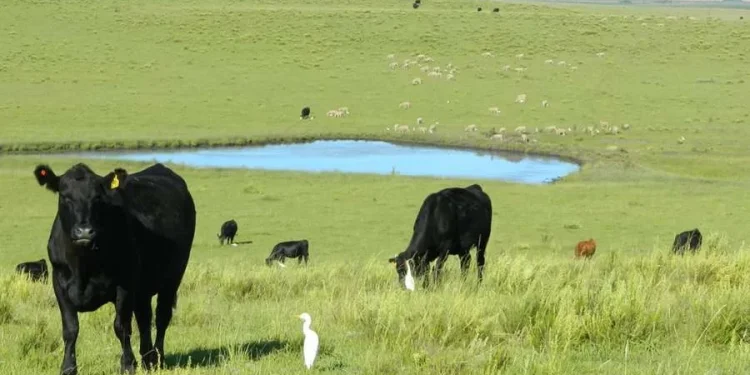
(310, 349)
(281, 264)
(409, 280)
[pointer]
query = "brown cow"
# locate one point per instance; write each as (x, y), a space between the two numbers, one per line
(586, 248)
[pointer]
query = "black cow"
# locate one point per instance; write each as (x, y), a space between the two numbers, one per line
(305, 114)
(289, 249)
(479, 9)
(228, 231)
(689, 238)
(415, 5)
(496, 10)
(37, 271)
(123, 239)
(450, 222)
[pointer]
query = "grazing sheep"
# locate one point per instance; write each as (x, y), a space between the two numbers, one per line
(519, 70)
(405, 105)
(600, 54)
(416, 81)
(434, 74)
(500, 131)
(561, 63)
(506, 68)
(519, 56)
(525, 138)
(561, 131)
(424, 68)
(432, 128)
(494, 110)
(450, 77)
(497, 136)
(681, 140)
(393, 65)
(573, 68)
(550, 61)
(471, 128)
(428, 59)
(625, 126)
(614, 130)
(521, 98)
(545, 104)
(419, 121)
(391, 56)
(401, 128)
(333, 113)
(344, 110)
(520, 129)
(550, 129)
(487, 54)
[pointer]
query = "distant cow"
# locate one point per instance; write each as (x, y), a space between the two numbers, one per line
(415, 5)
(289, 249)
(450, 222)
(228, 231)
(690, 238)
(305, 113)
(36, 270)
(118, 239)
(586, 249)
(479, 9)
(496, 10)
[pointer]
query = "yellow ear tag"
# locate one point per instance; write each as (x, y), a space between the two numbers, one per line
(115, 182)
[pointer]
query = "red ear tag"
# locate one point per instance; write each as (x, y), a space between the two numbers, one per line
(43, 172)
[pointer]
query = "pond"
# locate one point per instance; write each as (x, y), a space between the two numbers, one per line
(350, 156)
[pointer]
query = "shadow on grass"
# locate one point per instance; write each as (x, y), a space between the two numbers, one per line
(211, 357)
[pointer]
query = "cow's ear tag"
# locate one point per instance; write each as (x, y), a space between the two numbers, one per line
(115, 182)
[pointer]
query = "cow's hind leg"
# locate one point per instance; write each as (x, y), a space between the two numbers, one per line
(143, 316)
(123, 327)
(465, 263)
(439, 265)
(164, 305)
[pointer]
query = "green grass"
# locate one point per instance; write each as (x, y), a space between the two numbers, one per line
(106, 74)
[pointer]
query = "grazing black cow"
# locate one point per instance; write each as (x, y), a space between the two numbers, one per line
(123, 239)
(450, 222)
(289, 249)
(479, 9)
(415, 5)
(496, 10)
(689, 238)
(37, 271)
(228, 231)
(305, 113)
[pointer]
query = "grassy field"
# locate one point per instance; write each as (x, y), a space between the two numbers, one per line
(93, 74)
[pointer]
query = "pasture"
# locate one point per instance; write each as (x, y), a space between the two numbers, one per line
(89, 75)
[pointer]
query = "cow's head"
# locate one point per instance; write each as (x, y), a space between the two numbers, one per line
(400, 262)
(84, 199)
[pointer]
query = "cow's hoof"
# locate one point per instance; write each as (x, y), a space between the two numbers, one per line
(150, 360)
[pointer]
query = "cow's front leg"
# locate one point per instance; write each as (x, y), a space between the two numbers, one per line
(439, 265)
(69, 326)
(123, 329)
(143, 316)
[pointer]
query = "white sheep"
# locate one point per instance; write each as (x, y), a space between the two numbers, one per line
(494, 110)
(487, 54)
(625, 126)
(405, 105)
(393, 65)
(416, 81)
(432, 128)
(506, 68)
(450, 77)
(561, 63)
(344, 110)
(401, 128)
(545, 104)
(497, 137)
(471, 128)
(520, 129)
(550, 129)
(391, 56)
(550, 61)
(424, 68)
(681, 140)
(521, 98)
(422, 129)
(519, 70)
(600, 54)
(524, 137)
(419, 121)
(561, 131)
(519, 56)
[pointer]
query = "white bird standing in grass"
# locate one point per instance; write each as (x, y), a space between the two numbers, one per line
(409, 280)
(310, 349)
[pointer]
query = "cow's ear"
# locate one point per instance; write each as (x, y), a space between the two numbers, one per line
(392, 260)
(114, 180)
(45, 176)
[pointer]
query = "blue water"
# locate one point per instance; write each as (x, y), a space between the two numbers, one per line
(363, 157)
